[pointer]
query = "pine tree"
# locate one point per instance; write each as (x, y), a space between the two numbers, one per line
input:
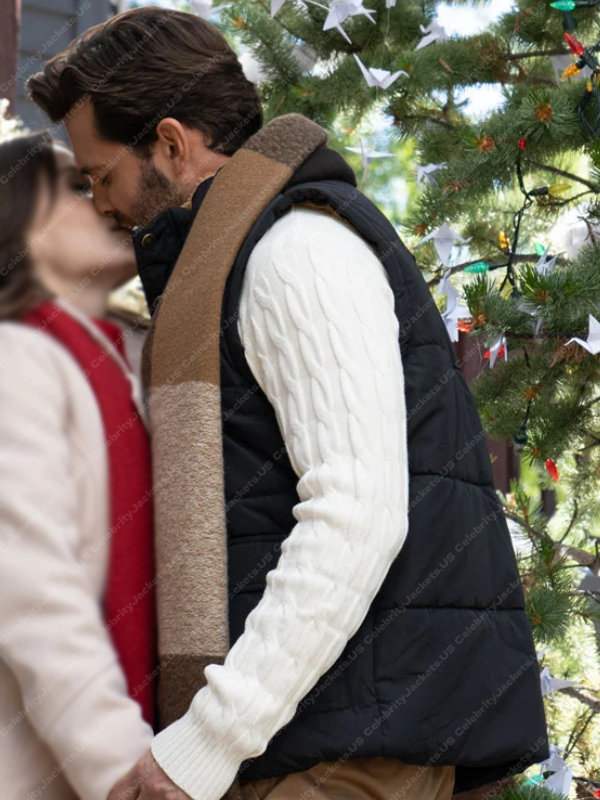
(505, 179)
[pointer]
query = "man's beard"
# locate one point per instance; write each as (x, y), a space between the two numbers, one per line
(155, 194)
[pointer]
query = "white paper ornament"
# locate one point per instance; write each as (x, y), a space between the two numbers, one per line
(304, 55)
(495, 348)
(592, 343)
(379, 77)
(201, 8)
(443, 239)
(550, 684)
(340, 10)
(455, 308)
(425, 172)
(251, 67)
(367, 153)
(433, 33)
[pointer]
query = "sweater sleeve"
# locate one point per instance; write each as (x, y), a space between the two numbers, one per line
(320, 335)
(52, 635)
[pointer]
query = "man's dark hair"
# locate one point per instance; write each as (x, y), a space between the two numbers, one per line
(146, 64)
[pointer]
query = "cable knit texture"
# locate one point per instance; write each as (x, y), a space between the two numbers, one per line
(320, 335)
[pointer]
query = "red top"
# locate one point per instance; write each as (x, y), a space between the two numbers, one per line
(129, 602)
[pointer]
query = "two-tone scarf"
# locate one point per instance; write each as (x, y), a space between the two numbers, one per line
(181, 375)
(129, 602)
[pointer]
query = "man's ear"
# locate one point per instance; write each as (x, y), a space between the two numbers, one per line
(172, 148)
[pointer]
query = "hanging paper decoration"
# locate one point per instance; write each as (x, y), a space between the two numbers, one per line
(443, 239)
(590, 582)
(545, 264)
(497, 349)
(426, 172)
(550, 684)
(551, 468)
(276, 5)
(304, 55)
(434, 32)
(201, 8)
(367, 153)
(340, 10)
(382, 78)
(560, 782)
(455, 309)
(592, 343)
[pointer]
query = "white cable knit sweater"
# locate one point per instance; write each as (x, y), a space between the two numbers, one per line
(320, 334)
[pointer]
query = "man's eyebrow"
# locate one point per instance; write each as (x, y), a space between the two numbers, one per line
(86, 170)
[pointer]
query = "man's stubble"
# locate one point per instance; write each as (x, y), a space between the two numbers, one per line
(155, 194)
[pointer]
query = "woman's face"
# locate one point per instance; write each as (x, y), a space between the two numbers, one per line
(69, 240)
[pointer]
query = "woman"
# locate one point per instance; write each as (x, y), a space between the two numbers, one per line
(77, 625)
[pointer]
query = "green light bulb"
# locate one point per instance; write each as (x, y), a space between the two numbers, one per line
(478, 266)
(539, 249)
(564, 5)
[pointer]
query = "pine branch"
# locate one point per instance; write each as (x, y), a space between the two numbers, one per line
(578, 694)
(536, 53)
(582, 557)
(564, 174)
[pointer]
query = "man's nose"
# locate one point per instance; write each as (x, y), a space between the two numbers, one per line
(102, 203)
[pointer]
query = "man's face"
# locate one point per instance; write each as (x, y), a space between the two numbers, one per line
(126, 187)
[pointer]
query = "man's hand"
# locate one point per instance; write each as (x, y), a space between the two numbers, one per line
(147, 781)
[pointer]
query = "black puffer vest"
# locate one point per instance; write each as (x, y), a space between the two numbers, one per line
(443, 669)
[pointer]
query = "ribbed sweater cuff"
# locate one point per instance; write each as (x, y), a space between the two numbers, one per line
(197, 764)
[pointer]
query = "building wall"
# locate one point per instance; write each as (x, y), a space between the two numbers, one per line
(47, 26)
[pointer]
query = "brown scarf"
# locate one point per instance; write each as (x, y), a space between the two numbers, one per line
(181, 372)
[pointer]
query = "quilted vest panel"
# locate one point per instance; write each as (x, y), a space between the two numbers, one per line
(443, 668)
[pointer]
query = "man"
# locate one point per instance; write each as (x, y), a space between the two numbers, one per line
(340, 610)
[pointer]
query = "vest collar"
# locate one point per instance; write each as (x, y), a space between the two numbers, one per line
(158, 244)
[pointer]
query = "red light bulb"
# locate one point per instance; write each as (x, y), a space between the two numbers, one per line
(574, 44)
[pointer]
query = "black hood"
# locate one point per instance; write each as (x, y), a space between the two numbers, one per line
(158, 244)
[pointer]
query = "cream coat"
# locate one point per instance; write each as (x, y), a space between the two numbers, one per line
(68, 728)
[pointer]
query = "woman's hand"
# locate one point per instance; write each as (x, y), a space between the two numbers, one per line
(147, 781)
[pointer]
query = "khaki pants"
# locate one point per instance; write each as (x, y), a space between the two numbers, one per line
(357, 779)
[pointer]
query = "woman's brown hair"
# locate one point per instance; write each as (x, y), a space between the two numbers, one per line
(25, 161)
(148, 63)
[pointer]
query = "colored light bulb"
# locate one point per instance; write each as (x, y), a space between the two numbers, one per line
(539, 249)
(478, 266)
(574, 44)
(564, 5)
(571, 70)
(557, 188)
